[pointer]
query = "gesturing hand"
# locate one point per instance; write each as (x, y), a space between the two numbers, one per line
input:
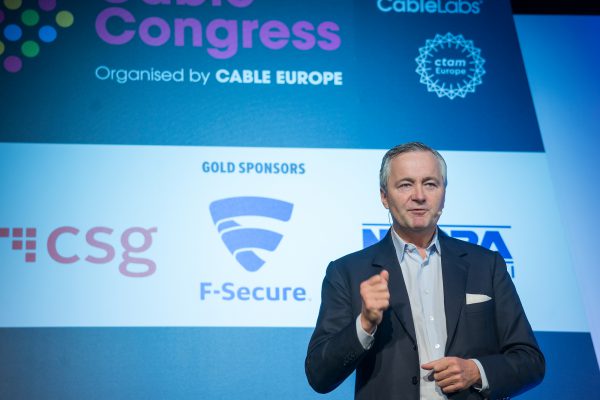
(375, 300)
(453, 374)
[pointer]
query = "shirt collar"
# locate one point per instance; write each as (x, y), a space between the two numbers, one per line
(400, 244)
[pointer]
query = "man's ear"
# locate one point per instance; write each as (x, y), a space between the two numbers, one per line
(384, 198)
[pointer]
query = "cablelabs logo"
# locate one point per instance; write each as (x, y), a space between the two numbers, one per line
(241, 223)
(450, 66)
(491, 237)
(25, 29)
(65, 246)
(431, 6)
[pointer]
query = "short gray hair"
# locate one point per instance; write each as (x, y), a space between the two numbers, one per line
(384, 172)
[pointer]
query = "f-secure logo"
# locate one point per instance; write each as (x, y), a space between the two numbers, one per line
(242, 241)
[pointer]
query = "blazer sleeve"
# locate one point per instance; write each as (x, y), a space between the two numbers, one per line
(520, 364)
(334, 349)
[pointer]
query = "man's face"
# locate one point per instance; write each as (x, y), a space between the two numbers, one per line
(415, 193)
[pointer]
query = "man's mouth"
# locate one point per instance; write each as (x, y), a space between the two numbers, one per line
(418, 211)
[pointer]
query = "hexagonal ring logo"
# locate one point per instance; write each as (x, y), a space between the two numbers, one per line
(450, 66)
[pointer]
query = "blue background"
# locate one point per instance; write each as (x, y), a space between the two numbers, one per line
(380, 103)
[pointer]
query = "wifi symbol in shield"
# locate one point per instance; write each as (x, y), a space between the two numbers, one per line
(244, 241)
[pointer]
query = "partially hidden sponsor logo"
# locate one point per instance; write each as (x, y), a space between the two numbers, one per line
(493, 237)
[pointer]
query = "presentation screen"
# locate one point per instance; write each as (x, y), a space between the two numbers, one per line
(178, 174)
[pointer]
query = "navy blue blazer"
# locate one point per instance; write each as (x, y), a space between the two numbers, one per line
(495, 332)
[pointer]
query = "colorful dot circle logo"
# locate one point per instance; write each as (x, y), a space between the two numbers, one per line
(450, 66)
(26, 27)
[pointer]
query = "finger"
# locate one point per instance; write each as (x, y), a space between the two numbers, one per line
(429, 366)
(375, 283)
(444, 382)
(375, 279)
(452, 385)
(375, 292)
(436, 365)
(377, 304)
(452, 388)
(380, 290)
(382, 305)
(442, 364)
(444, 376)
(385, 275)
(448, 372)
(377, 301)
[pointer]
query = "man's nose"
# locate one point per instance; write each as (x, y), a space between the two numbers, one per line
(418, 193)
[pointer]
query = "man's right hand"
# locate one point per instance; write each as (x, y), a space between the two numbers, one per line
(375, 300)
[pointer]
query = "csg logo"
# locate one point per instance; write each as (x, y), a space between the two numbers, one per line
(241, 222)
(489, 236)
(65, 245)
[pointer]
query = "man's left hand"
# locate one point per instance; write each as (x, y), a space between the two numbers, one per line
(453, 374)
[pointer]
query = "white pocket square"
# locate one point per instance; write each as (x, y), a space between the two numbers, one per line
(477, 298)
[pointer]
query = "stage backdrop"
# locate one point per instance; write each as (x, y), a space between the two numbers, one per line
(176, 175)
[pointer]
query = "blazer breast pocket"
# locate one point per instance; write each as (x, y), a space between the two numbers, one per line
(483, 307)
(480, 327)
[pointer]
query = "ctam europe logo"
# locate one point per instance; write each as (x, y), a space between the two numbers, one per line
(450, 66)
(246, 241)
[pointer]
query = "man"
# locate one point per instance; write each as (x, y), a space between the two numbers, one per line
(421, 315)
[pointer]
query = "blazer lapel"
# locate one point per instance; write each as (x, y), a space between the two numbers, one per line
(399, 302)
(454, 276)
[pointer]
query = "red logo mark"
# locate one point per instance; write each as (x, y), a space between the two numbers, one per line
(22, 239)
